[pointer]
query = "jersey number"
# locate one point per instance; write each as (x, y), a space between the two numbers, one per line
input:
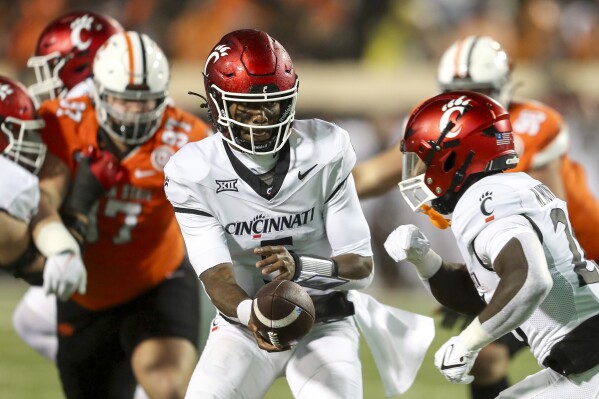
(72, 109)
(585, 269)
(131, 210)
(279, 241)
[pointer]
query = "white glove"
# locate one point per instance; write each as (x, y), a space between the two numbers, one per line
(408, 242)
(64, 273)
(455, 361)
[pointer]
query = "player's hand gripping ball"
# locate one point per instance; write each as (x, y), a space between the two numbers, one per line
(283, 312)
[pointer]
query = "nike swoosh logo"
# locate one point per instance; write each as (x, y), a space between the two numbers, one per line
(445, 366)
(142, 173)
(301, 175)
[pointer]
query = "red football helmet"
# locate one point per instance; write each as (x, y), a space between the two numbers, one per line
(19, 124)
(248, 68)
(449, 138)
(65, 52)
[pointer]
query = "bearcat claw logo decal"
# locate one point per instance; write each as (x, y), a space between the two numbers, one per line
(449, 110)
(5, 91)
(219, 51)
(484, 207)
(80, 24)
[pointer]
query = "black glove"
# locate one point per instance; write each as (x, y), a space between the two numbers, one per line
(97, 172)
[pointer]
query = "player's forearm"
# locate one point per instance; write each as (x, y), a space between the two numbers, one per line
(54, 181)
(453, 287)
(14, 238)
(223, 290)
(525, 282)
(18, 255)
(46, 213)
(378, 174)
(550, 175)
(354, 266)
(369, 184)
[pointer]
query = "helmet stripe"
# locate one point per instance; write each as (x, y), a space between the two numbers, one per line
(469, 56)
(463, 57)
(131, 58)
(144, 66)
(456, 58)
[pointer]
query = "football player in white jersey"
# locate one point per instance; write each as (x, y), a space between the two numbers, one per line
(268, 198)
(34, 244)
(479, 63)
(521, 257)
(62, 64)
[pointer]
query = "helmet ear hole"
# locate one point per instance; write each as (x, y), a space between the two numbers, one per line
(449, 163)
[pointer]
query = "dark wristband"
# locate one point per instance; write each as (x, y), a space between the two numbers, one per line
(298, 265)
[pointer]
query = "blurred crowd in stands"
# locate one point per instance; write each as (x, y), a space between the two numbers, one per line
(381, 31)
(372, 33)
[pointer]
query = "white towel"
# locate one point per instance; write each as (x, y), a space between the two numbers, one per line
(398, 340)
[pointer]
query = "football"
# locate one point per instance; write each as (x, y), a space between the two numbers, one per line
(283, 312)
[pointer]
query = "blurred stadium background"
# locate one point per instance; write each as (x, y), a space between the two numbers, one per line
(363, 64)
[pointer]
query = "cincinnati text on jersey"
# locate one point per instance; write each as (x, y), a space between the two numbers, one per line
(262, 225)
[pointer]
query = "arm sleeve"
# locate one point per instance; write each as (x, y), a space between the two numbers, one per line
(346, 226)
(537, 283)
(20, 191)
(204, 239)
(204, 236)
(26, 204)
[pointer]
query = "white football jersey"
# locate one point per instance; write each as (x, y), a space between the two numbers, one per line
(311, 205)
(19, 190)
(570, 301)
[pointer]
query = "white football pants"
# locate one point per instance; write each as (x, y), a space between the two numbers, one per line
(324, 365)
(34, 320)
(547, 384)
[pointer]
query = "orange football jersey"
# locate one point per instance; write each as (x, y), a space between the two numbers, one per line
(133, 242)
(536, 126)
(541, 138)
(583, 208)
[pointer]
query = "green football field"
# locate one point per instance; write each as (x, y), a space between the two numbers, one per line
(26, 375)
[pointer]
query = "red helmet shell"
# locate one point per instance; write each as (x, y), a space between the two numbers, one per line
(478, 138)
(247, 58)
(248, 64)
(76, 36)
(19, 125)
(14, 102)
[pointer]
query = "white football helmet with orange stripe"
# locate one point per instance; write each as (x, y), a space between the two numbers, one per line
(476, 63)
(131, 75)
